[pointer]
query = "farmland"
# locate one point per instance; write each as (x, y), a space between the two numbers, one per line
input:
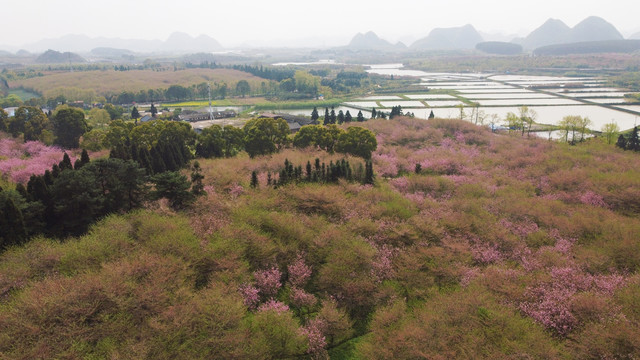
(105, 82)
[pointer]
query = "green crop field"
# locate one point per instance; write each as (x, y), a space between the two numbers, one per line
(23, 94)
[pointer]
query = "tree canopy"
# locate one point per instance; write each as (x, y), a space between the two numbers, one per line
(68, 126)
(265, 135)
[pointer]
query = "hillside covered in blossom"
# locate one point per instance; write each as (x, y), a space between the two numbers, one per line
(469, 244)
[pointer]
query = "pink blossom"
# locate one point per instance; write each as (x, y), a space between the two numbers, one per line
(268, 281)
(250, 296)
(417, 197)
(299, 272)
(593, 199)
(468, 275)
(385, 164)
(522, 228)
(549, 303)
(210, 190)
(236, 190)
(551, 308)
(486, 253)
(447, 143)
(607, 284)
(300, 298)
(273, 305)
(470, 151)
(262, 179)
(526, 258)
(459, 137)
(314, 332)
(382, 267)
(401, 184)
(24, 160)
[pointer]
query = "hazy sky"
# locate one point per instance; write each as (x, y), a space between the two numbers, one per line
(280, 22)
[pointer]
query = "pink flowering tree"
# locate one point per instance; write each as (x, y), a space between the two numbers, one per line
(273, 305)
(268, 281)
(250, 295)
(19, 161)
(301, 299)
(299, 272)
(314, 332)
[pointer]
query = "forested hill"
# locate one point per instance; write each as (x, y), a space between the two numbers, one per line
(592, 47)
(467, 244)
(55, 57)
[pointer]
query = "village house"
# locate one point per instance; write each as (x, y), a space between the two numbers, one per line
(295, 122)
(202, 116)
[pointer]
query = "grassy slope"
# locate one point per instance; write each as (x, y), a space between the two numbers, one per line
(501, 247)
(110, 81)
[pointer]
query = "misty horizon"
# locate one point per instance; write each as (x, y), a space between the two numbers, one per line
(282, 23)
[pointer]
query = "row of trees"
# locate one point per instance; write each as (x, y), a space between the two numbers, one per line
(64, 128)
(574, 124)
(629, 142)
(319, 173)
(355, 140)
(264, 136)
(330, 117)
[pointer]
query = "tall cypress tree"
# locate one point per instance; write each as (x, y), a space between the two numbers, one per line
(347, 117)
(314, 115)
(634, 141)
(197, 187)
(168, 157)
(622, 142)
(254, 179)
(368, 176)
(13, 231)
(144, 160)
(157, 161)
(360, 117)
(65, 164)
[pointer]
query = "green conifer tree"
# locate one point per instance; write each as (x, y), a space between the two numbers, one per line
(634, 142)
(12, 228)
(347, 117)
(197, 187)
(254, 179)
(65, 164)
(622, 142)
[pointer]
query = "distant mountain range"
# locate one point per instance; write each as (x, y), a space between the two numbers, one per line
(177, 42)
(371, 41)
(635, 36)
(554, 32)
(464, 37)
(593, 29)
